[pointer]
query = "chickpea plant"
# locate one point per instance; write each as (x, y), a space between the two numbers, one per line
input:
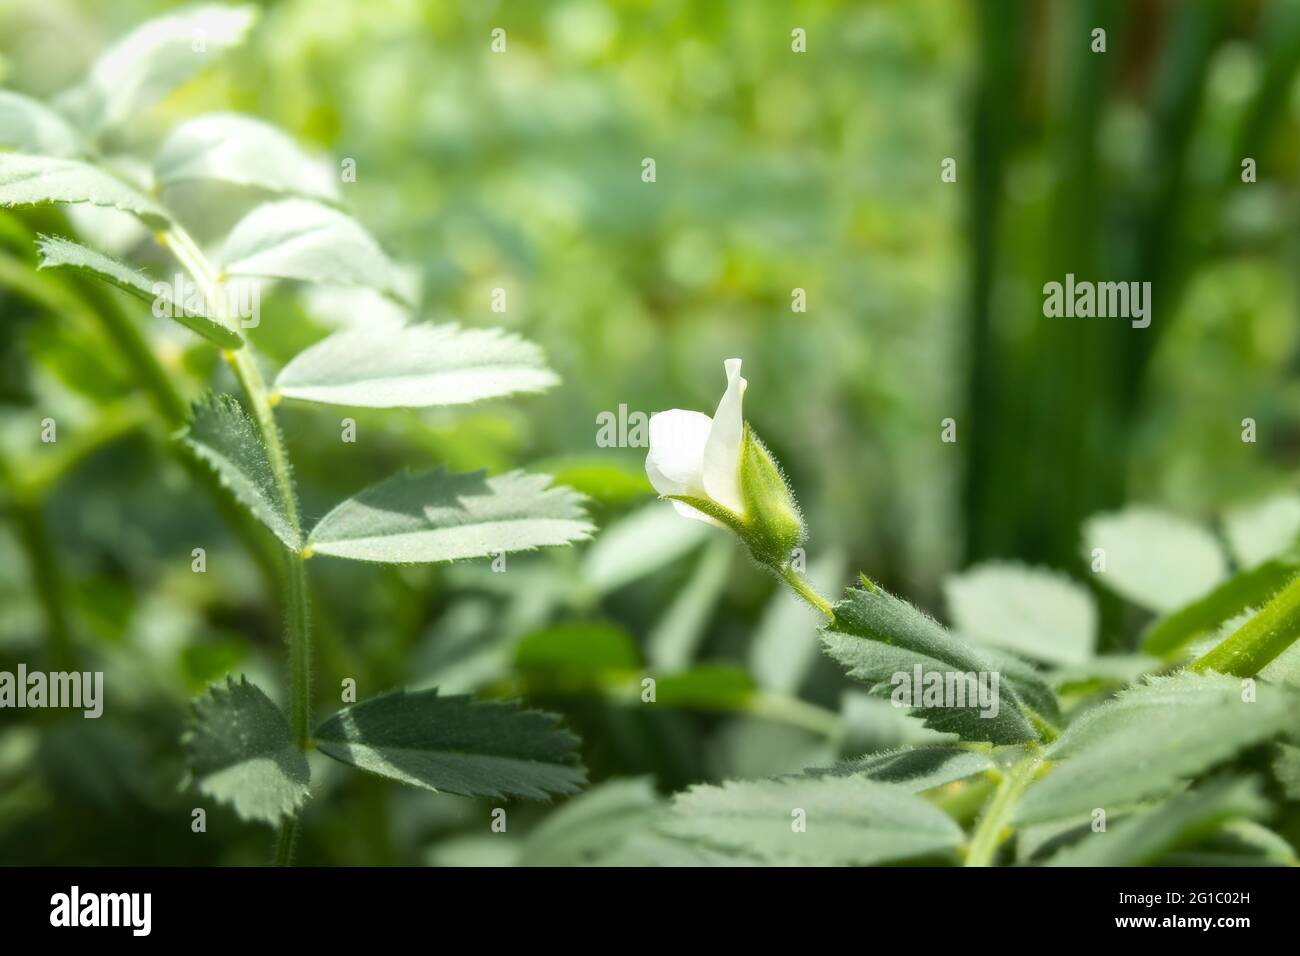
(1039, 749)
(242, 749)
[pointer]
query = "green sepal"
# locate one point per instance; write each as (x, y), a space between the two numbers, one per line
(775, 524)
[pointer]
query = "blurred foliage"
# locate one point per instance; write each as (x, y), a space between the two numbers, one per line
(774, 171)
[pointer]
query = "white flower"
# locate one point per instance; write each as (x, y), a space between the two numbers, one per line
(695, 456)
(716, 470)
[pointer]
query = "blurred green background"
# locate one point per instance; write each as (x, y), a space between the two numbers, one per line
(775, 170)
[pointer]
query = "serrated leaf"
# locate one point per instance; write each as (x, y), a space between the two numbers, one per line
(442, 516)
(242, 753)
(223, 435)
(1149, 740)
(414, 366)
(877, 636)
(912, 768)
(456, 744)
(1145, 837)
(57, 252)
(1155, 559)
(29, 126)
(1031, 611)
(847, 821)
(30, 180)
(232, 148)
(151, 60)
(304, 240)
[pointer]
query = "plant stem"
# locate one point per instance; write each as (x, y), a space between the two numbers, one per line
(295, 595)
(806, 591)
(1266, 635)
(798, 713)
(989, 832)
(284, 842)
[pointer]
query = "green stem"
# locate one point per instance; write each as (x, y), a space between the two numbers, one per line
(295, 592)
(1266, 635)
(797, 713)
(991, 829)
(806, 591)
(284, 842)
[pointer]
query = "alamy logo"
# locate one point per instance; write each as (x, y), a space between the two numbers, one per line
(922, 688)
(103, 909)
(1104, 300)
(76, 689)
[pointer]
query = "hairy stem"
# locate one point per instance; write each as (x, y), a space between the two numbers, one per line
(806, 591)
(991, 829)
(1266, 635)
(295, 597)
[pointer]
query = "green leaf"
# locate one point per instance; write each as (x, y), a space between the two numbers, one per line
(303, 240)
(1145, 837)
(878, 636)
(1031, 611)
(577, 652)
(1097, 673)
(1149, 740)
(1155, 559)
(1286, 767)
(615, 481)
(639, 544)
(1262, 530)
(592, 824)
(1252, 587)
(242, 753)
(441, 516)
(913, 768)
(57, 252)
(414, 366)
(676, 636)
(847, 821)
(223, 435)
(231, 148)
(1236, 843)
(707, 687)
(151, 60)
(29, 126)
(29, 180)
(456, 744)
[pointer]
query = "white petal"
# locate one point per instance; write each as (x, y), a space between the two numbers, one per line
(722, 450)
(675, 462)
